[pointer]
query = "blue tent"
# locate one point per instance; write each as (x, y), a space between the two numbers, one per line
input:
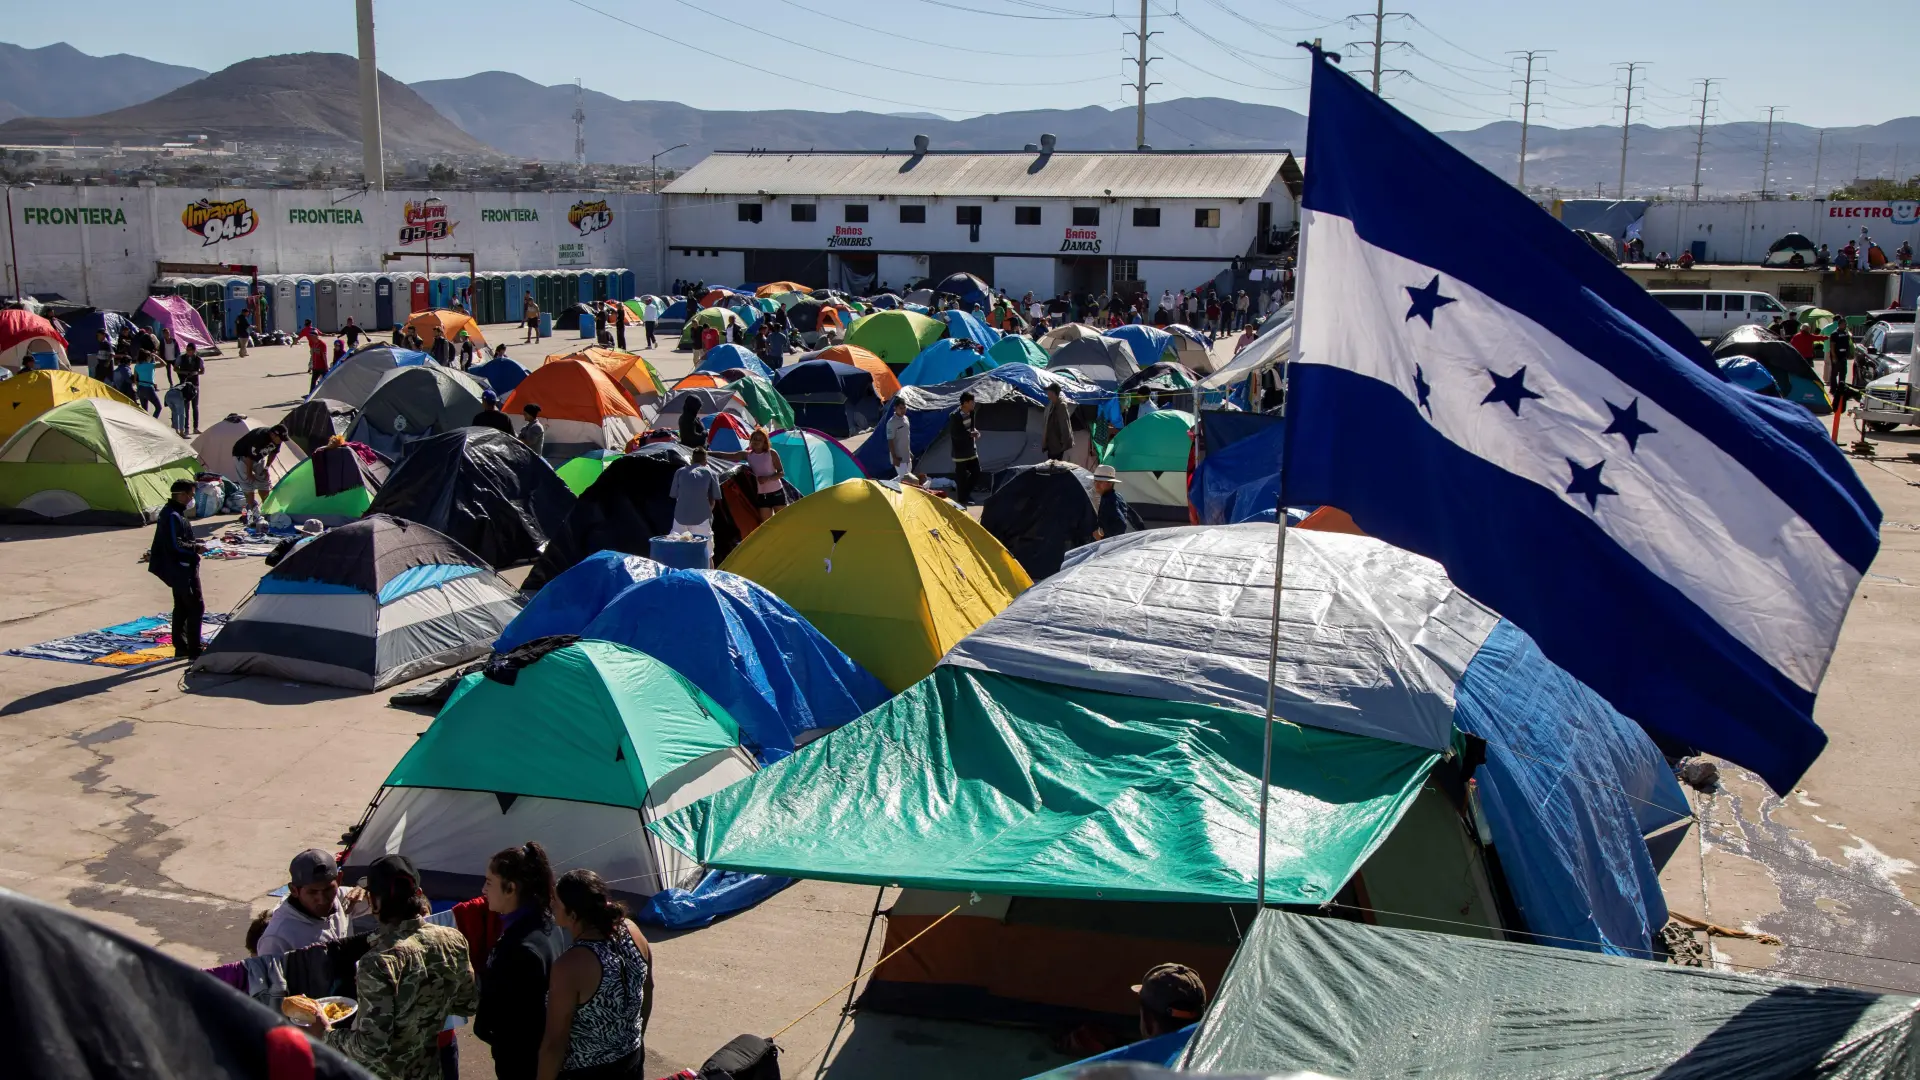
(676, 311)
(965, 324)
(502, 375)
(886, 301)
(944, 361)
(728, 355)
(836, 398)
(928, 407)
(81, 330)
(575, 596)
(1149, 343)
(1240, 482)
(970, 289)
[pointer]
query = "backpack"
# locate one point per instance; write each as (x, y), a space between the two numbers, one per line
(747, 1057)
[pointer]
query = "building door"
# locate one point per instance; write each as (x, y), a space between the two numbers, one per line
(1080, 274)
(1265, 238)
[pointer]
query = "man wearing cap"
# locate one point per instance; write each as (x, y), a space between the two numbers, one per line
(1171, 997)
(491, 416)
(412, 978)
(175, 559)
(1114, 516)
(317, 910)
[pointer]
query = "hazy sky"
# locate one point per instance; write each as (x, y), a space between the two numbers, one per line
(961, 57)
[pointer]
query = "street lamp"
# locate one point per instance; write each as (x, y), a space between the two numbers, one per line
(13, 247)
(660, 282)
(656, 164)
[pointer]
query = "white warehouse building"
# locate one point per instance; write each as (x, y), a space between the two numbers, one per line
(1040, 220)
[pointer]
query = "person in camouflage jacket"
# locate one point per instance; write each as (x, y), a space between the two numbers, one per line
(412, 978)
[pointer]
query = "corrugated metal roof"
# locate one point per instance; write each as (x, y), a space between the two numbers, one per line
(1062, 174)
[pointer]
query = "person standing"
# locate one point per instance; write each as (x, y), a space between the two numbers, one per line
(412, 978)
(533, 433)
(466, 351)
(694, 490)
(900, 441)
(316, 355)
(692, 434)
(442, 349)
(652, 323)
(243, 332)
(122, 377)
(1242, 307)
(145, 395)
(316, 909)
(191, 367)
(174, 558)
(1057, 441)
(769, 474)
(601, 993)
(512, 1018)
(618, 313)
(778, 344)
(352, 333)
(963, 436)
(490, 415)
(1112, 516)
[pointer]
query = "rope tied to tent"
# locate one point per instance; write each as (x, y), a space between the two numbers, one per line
(973, 898)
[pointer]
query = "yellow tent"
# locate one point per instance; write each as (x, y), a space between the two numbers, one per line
(450, 323)
(31, 393)
(893, 576)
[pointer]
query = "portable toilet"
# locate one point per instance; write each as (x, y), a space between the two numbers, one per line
(625, 291)
(420, 296)
(286, 314)
(363, 306)
(233, 291)
(461, 294)
(513, 296)
(302, 302)
(497, 298)
(326, 303)
(600, 286)
(440, 289)
(542, 287)
(263, 305)
(383, 302)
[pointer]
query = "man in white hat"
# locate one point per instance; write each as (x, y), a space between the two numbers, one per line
(1113, 515)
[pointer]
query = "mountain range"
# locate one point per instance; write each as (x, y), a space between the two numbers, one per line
(312, 98)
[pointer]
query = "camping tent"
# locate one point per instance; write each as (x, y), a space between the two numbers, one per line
(501, 374)
(1793, 249)
(836, 398)
(629, 371)
(178, 318)
(727, 356)
(584, 590)
(1065, 334)
(312, 422)
(450, 323)
(775, 288)
(1793, 374)
(1105, 361)
(1240, 480)
(814, 460)
(1009, 408)
(967, 288)
(351, 476)
(896, 337)
(885, 382)
(893, 576)
(604, 740)
(352, 380)
(1170, 384)
(719, 320)
(1190, 347)
(414, 403)
(968, 326)
(82, 1001)
(945, 361)
(83, 329)
(215, 447)
(579, 473)
(622, 510)
(1018, 348)
(713, 399)
(769, 407)
(31, 393)
(1151, 456)
(366, 605)
(93, 461)
(25, 335)
(580, 407)
(484, 489)
(1040, 512)
(1149, 343)
(1391, 1003)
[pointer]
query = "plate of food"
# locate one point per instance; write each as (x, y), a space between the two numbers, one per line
(302, 1010)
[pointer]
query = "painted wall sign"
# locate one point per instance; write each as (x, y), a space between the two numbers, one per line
(217, 221)
(1087, 240)
(570, 255)
(590, 217)
(849, 236)
(425, 220)
(331, 215)
(509, 213)
(72, 215)
(1894, 213)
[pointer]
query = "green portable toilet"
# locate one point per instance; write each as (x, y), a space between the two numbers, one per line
(497, 299)
(543, 292)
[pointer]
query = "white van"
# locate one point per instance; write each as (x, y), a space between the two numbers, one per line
(1712, 312)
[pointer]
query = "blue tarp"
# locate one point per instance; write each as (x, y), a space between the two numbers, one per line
(1241, 482)
(1149, 344)
(82, 328)
(965, 324)
(728, 355)
(721, 892)
(501, 375)
(1570, 788)
(944, 361)
(930, 407)
(1161, 1050)
(571, 600)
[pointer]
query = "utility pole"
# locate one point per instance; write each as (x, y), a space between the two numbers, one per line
(1379, 15)
(372, 152)
(1766, 162)
(579, 125)
(1140, 84)
(1857, 147)
(1700, 135)
(1526, 109)
(1626, 122)
(1819, 151)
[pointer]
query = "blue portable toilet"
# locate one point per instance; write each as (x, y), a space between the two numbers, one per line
(462, 295)
(236, 296)
(302, 302)
(286, 312)
(516, 297)
(626, 286)
(326, 303)
(586, 287)
(436, 291)
(600, 286)
(383, 303)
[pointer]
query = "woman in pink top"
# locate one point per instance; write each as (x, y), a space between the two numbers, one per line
(769, 475)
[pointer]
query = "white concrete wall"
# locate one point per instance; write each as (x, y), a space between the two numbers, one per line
(1020, 274)
(641, 229)
(100, 244)
(1161, 276)
(705, 264)
(897, 270)
(1738, 231)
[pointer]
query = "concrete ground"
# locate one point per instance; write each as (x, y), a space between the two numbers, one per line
(170, 816)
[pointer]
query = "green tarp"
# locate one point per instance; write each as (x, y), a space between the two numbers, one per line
(974, 781)
(1366, 1003)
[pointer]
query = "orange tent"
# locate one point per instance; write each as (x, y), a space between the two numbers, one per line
(628, 371)
(450, 323)
(582, 409)
(700, 380)
(885, 382)
(775, 288)
(1330, 519)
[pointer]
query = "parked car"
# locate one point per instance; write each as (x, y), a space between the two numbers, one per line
(1712, 312)
(1886, 348)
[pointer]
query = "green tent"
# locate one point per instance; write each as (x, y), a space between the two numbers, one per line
(294, 496)
(1017, 348)
(589, 743)
(579, 473)
(763, 401)
(895, 336)
(92, 461)
(971, 781)
(1323, 995)
(1151, 457)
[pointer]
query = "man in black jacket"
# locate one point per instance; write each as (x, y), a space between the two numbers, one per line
(964, 438)
(175, 559)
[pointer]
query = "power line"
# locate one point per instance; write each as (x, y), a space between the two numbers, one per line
(949, 46)
(1012, 15)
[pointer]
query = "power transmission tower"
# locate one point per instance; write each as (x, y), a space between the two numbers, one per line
(1140, 84)
(1700, 135)
(579, 124)
(1766, 162)
(1379, 15)
(1626, 122)
(1526, 108)
(1819, 151)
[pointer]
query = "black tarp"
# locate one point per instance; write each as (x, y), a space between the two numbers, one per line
(312, 422)
(1775, 355)
(830, 397)
(1039, 512)
(623, 510)
(80, 1002)
(484, 489)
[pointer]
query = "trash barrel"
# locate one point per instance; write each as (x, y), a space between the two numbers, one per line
(694, 554)
(546, 324)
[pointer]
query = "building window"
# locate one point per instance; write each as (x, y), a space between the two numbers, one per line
(856, 213)
(1128, 269)
(805, 212)
(750, 211)
(1086, 216)
(1206, 219)
(912, 214)
(1026, 215)
(966, 215)
(1146, 217)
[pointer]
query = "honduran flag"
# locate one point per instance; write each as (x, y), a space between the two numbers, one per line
(1472, 382)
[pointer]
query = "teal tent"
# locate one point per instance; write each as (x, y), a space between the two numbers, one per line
(1017, 349)
(813, 461)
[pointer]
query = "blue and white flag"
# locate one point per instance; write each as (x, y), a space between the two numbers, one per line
(1474, 383)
